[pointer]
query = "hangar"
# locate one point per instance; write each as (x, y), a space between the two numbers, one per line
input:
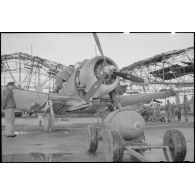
(98, 77)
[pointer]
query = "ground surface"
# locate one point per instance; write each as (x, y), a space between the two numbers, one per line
(68, 142)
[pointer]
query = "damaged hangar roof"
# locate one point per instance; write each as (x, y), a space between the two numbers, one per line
(157, 58)
(172, 71)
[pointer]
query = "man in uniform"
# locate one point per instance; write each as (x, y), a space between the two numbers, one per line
(157, 111)
(186, 110)
(9, 106)
(168, 111)
(62, 76)
(173, 109)
(178, 112)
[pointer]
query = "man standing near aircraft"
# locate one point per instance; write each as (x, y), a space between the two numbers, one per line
(62, 76)
(168, 111)
(186, 110)
(157, 111)
(173, 107)
(178, 112)
(9, 106)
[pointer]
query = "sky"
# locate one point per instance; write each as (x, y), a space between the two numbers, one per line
(69, 48)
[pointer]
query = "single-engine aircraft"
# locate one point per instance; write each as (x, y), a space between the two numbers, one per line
(93, 85)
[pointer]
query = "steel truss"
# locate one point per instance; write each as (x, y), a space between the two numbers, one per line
(176, 61)
(28, 72)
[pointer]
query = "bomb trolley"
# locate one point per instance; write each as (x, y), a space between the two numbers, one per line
(123, 130)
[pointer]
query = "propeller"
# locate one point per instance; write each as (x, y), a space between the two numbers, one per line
(99, 47)
(129, 77)
(98, 83)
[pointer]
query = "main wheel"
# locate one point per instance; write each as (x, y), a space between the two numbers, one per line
(93, 138)
(117, 147)
(176, 142)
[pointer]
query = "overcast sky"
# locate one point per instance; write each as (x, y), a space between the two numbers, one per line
(69, 48)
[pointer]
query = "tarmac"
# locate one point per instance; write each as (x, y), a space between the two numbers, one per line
(68, 141)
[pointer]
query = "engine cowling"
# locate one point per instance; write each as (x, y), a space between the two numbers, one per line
(88, 72)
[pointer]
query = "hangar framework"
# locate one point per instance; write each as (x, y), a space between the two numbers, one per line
(29, 72)
(174, 68)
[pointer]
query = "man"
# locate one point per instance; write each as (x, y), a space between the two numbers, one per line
(186, 110)
(62, 76)
(157, 111)
(9, 106)
(168, 111)
(178, 111)
(173, 109)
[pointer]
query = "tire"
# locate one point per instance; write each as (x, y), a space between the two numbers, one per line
(117, 147)
(176, 142)
(93, 139)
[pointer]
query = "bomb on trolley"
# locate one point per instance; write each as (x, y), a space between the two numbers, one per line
(123, 131)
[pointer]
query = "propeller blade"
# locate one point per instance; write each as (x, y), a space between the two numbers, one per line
(129, 77)
(98, 83)
(98, 43)
(99, 47)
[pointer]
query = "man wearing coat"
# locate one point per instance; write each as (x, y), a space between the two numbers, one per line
(173, 108)
(186, 110)
(168, 111)
(9, 106)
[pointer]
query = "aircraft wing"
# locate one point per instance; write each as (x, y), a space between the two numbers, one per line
(30, 101)
(127, 100)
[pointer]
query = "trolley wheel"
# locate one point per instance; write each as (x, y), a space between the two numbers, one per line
(117, 147)
(93, 138)
(176, 142)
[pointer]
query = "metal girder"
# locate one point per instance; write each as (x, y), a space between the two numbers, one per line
(183, 58)
(26, 70)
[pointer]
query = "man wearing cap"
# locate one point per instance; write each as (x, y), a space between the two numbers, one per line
(9, 106)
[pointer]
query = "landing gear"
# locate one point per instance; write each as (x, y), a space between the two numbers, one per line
(117, 147)
(176, 143)
(93, 138)
(113, 144)
(46, 122)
